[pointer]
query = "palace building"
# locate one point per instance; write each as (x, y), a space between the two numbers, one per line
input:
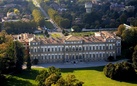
(75, 49)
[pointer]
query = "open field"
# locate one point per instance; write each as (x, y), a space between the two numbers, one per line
(92, 76)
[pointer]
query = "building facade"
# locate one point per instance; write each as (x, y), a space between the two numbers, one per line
(88, 6)
(24, 39)
(73, 49)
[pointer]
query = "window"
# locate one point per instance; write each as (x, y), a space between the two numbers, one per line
(93, 55)
(66, 49)
(90, 48)
(80, 48)
(35, 50)
(100, 48)
(59, 48)
(76, 48)
(48, 49)
(106, 47)
(100, 55)
(73, 49)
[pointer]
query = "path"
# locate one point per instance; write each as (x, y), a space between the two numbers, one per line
(78, 65)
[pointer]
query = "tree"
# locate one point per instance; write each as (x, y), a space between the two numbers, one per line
(134, 57)
(46, 33)
(108, 70)
(52, 70)
(16, 11)
(35, 61)
(19, 27)
(63, 31)
(28, 62)
(72, 81)
(61, 82)
(48, 77)
(0, 26)
(53, 77)
(41, 77)
(123, 18)
(16, 52)
(76, 29)
(129, 36)
(38, 17)
(7, 64)
(110, 58)
(120, 30)
(65, 23)
(2, 79)
(120, 71)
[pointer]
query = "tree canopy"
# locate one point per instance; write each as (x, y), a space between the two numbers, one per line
(134, 57)
(120, 71)
(38, 17)
(52, 76)
(11, 54)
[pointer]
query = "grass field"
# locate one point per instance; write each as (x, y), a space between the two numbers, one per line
(90, 76)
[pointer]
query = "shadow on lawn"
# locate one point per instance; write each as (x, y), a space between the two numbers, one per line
(87, 68)
(16, 82)
(28, 74)
(133, 81)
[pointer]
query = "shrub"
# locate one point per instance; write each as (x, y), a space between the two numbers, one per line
(2, 79)
(110, 58)
(35, 61)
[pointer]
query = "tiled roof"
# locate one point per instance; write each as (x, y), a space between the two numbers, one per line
(98, 37)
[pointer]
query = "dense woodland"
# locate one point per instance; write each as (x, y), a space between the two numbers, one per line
(76, 10)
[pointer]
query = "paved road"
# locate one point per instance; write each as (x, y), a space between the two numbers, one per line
(78, 65)
(37, 5)
(46, 16)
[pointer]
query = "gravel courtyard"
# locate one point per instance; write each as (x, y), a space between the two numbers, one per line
(72, 65)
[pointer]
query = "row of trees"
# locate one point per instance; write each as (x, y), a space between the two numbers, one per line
(19, 27)
(38, 17)
(53, 76)
(62, 22)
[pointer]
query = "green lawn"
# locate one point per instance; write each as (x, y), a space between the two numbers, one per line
(49, 25)
(56, 35)
(90, 76)
(82, 33)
